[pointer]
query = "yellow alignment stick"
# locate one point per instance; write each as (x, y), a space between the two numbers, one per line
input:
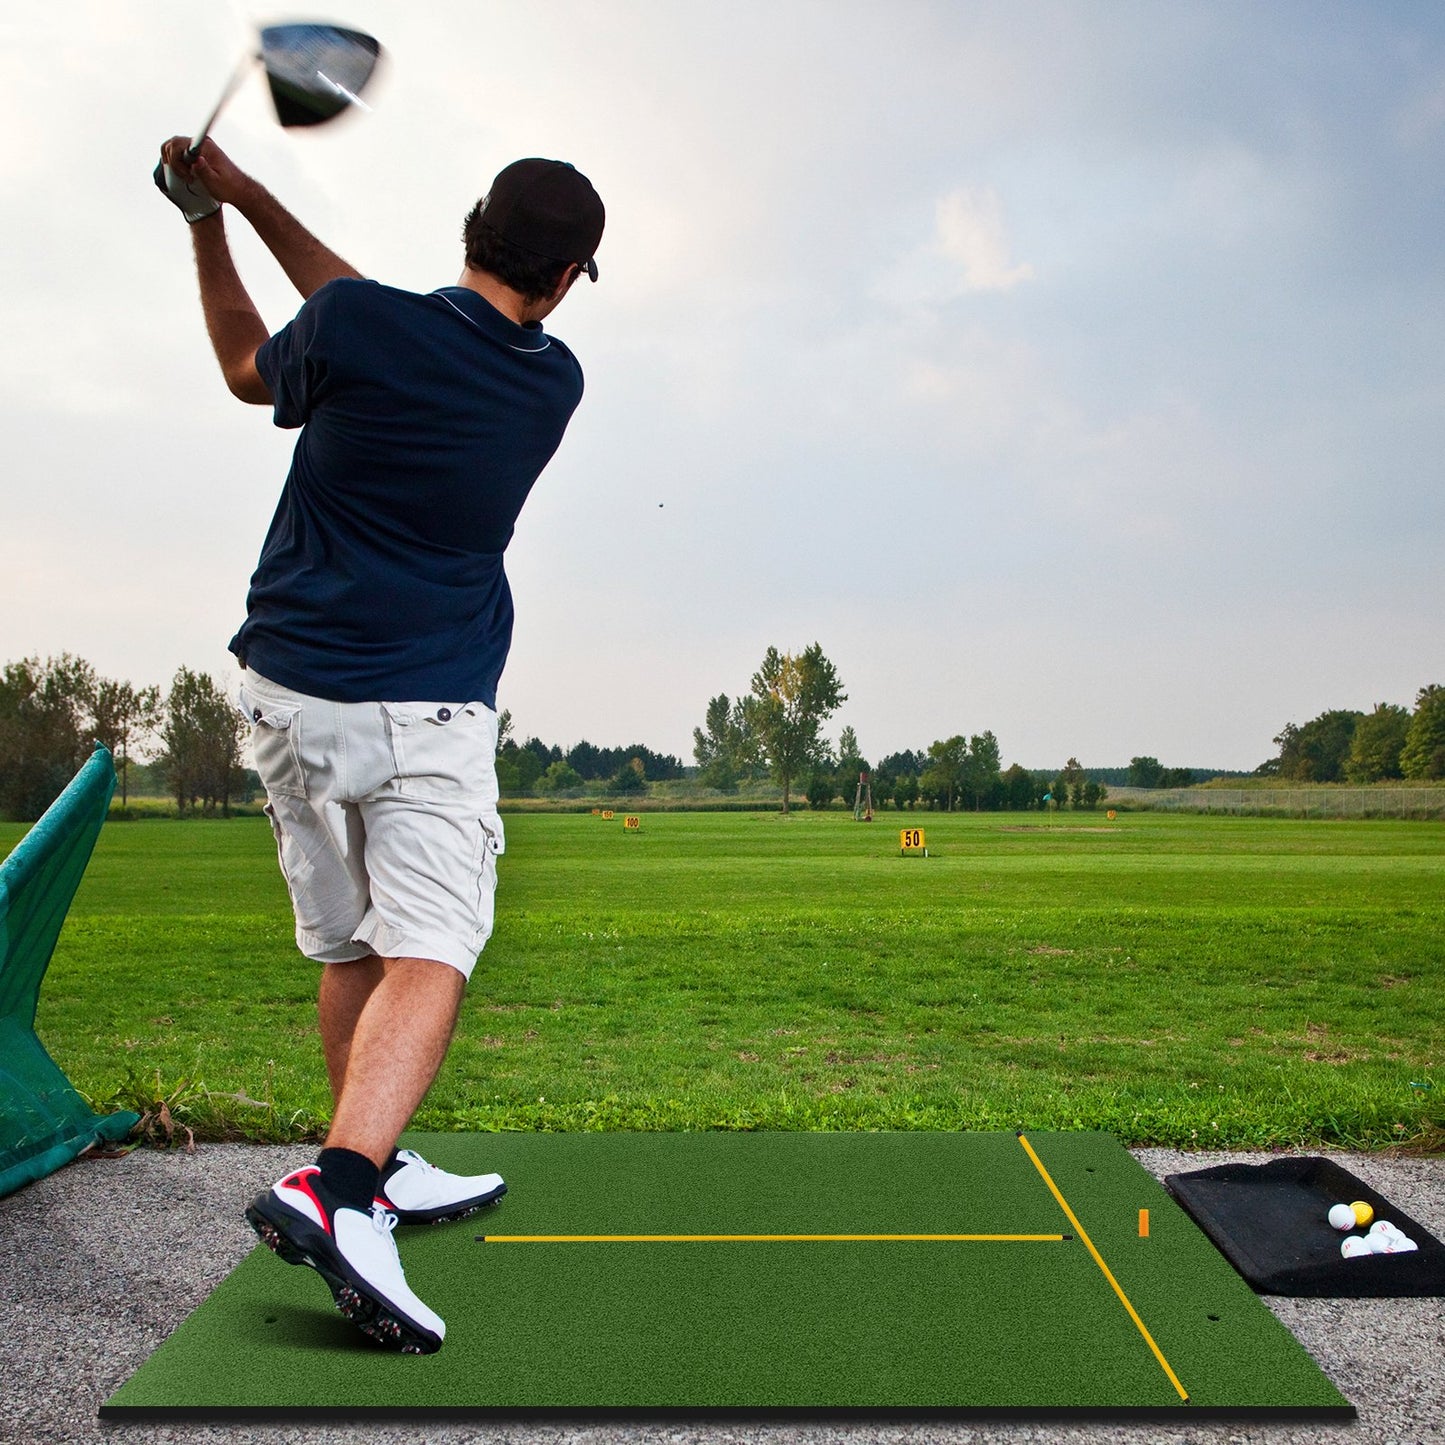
(754, 1238)
(1099, 1260)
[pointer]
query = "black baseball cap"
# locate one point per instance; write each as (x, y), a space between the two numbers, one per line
(547, 208)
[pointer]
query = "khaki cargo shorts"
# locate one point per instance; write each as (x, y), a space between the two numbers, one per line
(385, 816)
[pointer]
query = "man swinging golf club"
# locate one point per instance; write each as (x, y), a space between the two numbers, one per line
(377, 625)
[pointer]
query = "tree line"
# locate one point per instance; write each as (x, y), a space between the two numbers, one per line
(775, 730)
(1344, 746)
(54, 710)
(535, 767)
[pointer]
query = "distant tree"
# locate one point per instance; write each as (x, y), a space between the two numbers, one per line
(587, 760)
(713, 749)
(946, 775)
(882, 785)
(656, 767)
(560, 777)
(822, 789)
(1145, 773)
(726, 747)
(794, 697)
(1068, 787)
(1423, 755)
(546, 754)
(504, 729)
(719, 775)
(850, 759)
(124, 716)
(1289, 758)
(746, 741)
(1378, 741)
(905, 790)
(1091, 795)
(203, 734)
(710, 745)
(887, 777)
(1019, 791)
(1176, 778)
(851, 766)
(1319, 751)
(46, 711)
(896, 764)
(629, 779)
(518, 770)
(982, 771)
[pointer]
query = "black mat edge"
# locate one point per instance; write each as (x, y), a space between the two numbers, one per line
(1152, 1414)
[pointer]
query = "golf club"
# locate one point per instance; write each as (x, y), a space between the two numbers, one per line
(314, 72)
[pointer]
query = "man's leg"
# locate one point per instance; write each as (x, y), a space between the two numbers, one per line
(399, 1039)
(389, 1036)
(345, 990)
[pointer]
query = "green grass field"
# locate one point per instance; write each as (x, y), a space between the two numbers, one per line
(1197, 981)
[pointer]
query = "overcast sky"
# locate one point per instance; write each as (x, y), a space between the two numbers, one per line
(1071, 370)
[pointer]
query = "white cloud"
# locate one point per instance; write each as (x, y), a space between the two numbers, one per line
(971, 233)
(968, 251)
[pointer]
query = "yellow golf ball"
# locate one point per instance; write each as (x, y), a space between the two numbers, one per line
(1364, 1213)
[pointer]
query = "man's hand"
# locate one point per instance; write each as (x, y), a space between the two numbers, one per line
(202, 183)
(179, 183)
(218, 173)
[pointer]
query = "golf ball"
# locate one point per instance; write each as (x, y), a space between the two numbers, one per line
(1354, 1247)
(1342, 1216)
(1384, 1238)
(1363, 1212)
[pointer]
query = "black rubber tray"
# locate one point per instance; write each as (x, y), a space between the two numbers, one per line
(1268, 1220)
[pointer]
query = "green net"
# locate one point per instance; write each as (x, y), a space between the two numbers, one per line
(44, 1122)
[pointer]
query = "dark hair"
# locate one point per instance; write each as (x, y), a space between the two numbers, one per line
(535, 277)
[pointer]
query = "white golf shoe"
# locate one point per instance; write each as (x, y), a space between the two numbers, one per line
(354, 1252)
(420, 1193)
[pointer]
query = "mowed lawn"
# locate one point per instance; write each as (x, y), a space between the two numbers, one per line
(1173, 979)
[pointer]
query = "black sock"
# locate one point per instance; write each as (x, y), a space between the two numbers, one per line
(348, 1177)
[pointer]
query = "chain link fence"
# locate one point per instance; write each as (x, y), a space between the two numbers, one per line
(1289, 802)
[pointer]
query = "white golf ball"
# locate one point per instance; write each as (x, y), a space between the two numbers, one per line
(1384, 1238)
(1354, 1247)
(1342, 1216)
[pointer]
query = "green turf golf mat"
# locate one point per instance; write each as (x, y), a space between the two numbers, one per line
(575, 1293)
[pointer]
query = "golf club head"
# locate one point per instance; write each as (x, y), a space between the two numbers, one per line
(316, 71)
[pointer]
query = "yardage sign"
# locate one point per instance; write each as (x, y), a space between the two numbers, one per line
(632, 822)
(911, 840)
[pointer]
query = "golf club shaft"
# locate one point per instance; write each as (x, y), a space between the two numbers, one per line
(237, 76)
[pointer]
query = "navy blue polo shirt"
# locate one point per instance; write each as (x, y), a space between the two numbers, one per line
(424, 422)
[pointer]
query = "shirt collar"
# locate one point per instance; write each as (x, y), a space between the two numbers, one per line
(488, 320)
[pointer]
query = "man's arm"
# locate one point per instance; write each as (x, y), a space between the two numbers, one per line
(232, 321)
(306, 261)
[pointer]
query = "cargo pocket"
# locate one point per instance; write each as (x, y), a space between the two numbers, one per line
(275, 744)
(493, 845)
(443, 751)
